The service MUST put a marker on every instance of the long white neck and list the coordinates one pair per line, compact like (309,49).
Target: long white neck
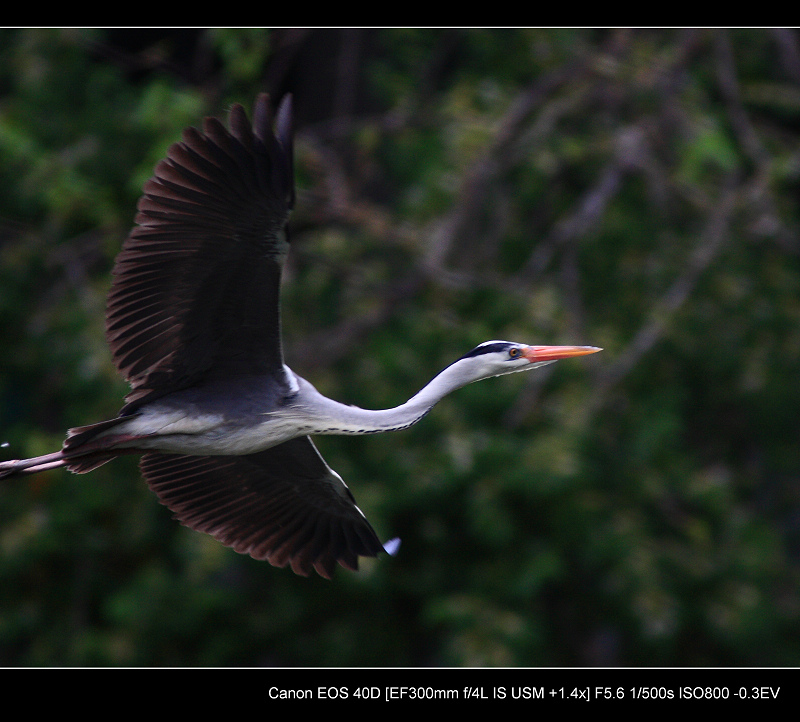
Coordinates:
(332,417)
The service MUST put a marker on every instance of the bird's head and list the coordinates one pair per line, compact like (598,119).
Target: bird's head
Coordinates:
(496,358)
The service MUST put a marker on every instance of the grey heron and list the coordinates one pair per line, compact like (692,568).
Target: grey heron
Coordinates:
(193,324)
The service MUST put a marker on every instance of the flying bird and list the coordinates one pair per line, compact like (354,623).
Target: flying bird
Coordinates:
(193,324)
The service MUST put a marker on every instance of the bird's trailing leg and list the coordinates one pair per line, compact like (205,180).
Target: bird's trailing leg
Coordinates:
(86,448)
(19,467)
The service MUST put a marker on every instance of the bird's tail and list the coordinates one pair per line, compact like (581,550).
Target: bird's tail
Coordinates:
(82,452)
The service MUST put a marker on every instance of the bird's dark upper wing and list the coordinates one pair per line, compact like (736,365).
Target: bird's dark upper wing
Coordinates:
(284,505)
(196,286)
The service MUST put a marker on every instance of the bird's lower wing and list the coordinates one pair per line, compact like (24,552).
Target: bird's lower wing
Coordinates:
(283,505)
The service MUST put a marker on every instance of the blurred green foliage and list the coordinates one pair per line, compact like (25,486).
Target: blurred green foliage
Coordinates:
(631,189)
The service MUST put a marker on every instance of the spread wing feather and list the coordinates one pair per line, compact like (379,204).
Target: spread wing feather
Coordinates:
(283,505)
(196,286)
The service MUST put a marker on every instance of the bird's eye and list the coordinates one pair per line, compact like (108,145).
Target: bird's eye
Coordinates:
(513,352)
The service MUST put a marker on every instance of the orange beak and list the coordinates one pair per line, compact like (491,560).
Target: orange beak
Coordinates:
(536,354)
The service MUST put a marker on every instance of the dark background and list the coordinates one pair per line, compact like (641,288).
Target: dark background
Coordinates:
(630,189)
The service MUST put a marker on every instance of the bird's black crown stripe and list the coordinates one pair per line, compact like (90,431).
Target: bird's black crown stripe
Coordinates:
(491,347)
